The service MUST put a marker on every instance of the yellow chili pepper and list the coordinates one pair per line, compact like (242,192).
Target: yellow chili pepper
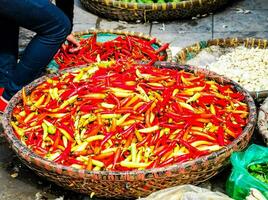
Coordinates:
(133,152)
(18,130)
(149,129)
(194,98)
(29,117)
(134,164)
(122,119)
(187,106)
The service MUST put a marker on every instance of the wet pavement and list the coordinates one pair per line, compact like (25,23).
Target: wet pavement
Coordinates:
(247,18)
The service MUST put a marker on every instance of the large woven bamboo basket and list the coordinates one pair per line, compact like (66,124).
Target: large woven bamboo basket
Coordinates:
(104,35)
(119,10)
(132,184)
(191,51)
(263,121)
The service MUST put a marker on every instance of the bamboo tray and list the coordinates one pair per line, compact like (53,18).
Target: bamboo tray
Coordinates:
(131,184)
(191,51)
(119,10)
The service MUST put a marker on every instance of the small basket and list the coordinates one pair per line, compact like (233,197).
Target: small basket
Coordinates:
(104,35)
(132,12)
(191,51)
(132,184)
(263,121)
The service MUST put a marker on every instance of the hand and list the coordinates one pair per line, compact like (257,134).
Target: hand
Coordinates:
(74,44)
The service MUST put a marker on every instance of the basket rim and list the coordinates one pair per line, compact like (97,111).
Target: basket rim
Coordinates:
(225,42)
(25,153)
(130,33)
(153,6)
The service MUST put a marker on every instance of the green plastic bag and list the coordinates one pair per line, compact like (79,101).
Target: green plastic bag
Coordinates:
(240,181)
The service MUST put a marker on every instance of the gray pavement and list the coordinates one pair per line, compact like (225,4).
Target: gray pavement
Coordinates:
(245,18)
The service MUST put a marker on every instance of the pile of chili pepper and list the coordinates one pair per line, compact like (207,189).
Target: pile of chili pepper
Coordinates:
(121,116)
(124,47)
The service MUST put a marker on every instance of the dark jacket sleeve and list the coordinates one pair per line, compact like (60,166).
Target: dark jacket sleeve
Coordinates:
(67,6)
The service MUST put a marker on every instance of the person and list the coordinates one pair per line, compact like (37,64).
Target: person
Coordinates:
(52,25)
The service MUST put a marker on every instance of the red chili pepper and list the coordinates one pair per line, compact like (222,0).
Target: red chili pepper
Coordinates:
(154,164)
(64,155)
(195,151)
(68,133)
(115,99)
(144,107)
(116,157)
(238,96)
(71,161)
(152,41)
(88,108)
(154,139)
(107,137)
(166,162)
(220,136)
(238,119)
(56,142)
(207,99)
(146,139)
(221,102)
(30,139)
(171,126)
(129,43)
(39,150)
(162,48)
(129,130)
(165,150)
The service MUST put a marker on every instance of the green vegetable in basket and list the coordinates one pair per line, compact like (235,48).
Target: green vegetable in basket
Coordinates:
(161,1)
(259,171)
(248,172)
(148,1)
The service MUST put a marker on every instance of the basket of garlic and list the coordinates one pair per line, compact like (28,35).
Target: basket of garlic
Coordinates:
(243,60)
(263,121)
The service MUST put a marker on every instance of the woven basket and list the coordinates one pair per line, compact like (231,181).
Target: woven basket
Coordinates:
(191,51)
(132,183)
(263,121)
(119,10)
(104,35)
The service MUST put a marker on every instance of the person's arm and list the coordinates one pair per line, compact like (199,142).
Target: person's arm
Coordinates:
(75,44)
(67,6)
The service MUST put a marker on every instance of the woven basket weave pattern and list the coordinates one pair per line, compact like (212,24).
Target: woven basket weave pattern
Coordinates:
(118,10)
(133,183)
(182,56)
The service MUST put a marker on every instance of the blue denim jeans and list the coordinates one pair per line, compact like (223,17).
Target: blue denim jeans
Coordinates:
(51,26)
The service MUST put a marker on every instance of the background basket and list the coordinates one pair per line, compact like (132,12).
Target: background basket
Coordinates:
(119,10)
(191,51)
(133,183)
(263,121)
(104,35)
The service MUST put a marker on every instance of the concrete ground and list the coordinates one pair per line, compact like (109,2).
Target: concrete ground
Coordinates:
(244,18)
